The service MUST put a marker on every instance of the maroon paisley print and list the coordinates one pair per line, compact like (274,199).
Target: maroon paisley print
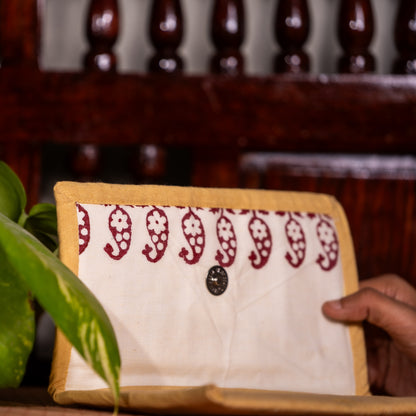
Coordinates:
(297,241)
(84,228)
(224,241)
(158,228)
(194,233)
(228,242)
(119,223)
(260,233)
(327,236)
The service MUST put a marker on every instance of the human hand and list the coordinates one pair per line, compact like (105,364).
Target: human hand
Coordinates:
(388,304)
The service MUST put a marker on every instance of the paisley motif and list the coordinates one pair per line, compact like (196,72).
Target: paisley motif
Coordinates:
(228,241)
(262,238)
(194,232)
(328,239)
(157,225)
(297,241)
(119,223)
(84,228)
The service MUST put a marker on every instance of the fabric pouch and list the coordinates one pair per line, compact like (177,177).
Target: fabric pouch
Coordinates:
(215,296)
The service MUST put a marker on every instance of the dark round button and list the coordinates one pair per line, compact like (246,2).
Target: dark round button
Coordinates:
(217,280)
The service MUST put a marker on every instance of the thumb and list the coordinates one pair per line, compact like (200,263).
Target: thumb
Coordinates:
(396,318)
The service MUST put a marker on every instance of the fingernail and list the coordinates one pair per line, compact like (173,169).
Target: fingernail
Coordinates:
(334,304)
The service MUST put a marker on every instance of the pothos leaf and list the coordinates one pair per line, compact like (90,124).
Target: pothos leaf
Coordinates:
(74,309)
(42,223)
(17,325)
(12,193)
(42,217)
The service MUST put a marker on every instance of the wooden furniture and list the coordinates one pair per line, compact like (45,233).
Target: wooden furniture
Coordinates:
(351,134)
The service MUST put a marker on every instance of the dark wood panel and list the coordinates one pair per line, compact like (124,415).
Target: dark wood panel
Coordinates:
(281,112)
(20,32)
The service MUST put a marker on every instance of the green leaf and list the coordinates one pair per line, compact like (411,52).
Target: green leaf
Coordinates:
(71,305)
(42,223)
(17,326)
(12,193)
(42,217)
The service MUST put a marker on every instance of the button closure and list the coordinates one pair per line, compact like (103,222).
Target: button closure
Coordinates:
(217,280)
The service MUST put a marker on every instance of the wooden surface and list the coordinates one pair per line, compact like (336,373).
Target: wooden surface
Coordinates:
(49,411)
(338,113)
(37,402)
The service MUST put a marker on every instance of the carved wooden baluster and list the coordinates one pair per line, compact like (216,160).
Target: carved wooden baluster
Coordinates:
(102,33)
(86,161)
(166,33)
(291,32)
(149,164)
(355,32)
(405,38)
(227,34)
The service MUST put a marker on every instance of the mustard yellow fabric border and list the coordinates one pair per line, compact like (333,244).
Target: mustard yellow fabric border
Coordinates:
(211,400)
(67,194)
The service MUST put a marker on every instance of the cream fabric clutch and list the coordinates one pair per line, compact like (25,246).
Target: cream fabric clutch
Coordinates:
(215,296)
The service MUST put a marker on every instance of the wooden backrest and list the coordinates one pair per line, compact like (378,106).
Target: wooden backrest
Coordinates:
(286,130)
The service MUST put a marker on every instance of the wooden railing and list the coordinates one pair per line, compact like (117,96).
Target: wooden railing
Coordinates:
(292,22)
(22,25)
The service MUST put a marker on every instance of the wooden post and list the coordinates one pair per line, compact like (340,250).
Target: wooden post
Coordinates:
(291,32)
(102,28)
(102,33)
(355,33)
(405,38)
(227,34)
(166,33)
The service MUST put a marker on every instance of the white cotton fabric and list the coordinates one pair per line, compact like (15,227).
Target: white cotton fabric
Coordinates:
(266,331)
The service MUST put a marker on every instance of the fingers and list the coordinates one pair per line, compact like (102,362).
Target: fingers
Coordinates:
(366,304)
(392,286)
(387,302)
(396,318)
